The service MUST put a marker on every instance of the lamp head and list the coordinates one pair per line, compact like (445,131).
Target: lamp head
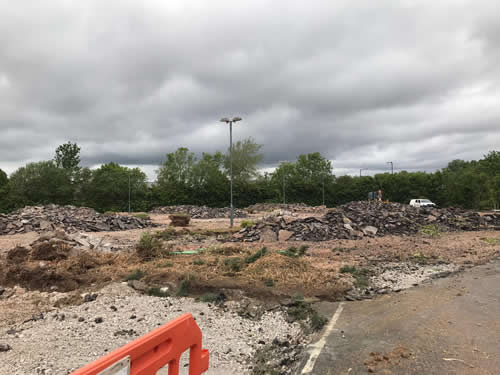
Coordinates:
(235,119)
(225,119)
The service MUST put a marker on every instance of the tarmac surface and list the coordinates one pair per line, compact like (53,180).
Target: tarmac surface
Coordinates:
(448,326)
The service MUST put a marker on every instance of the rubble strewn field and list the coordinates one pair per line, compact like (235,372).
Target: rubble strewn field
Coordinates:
(250,297)
(370,218)
(69,218)
(200,212)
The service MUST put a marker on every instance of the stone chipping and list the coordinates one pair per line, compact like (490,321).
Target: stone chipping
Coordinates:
(77,335)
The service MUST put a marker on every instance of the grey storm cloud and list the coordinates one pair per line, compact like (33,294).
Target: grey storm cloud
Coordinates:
(416,82)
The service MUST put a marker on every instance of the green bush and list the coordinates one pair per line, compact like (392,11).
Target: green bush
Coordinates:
(361,275)
(430,230)
(136,275)
(295,252)
(247,223)
(235,264)
(317,321)
(491,240)
(254,257)
(208,297)
(184,288)
(198,262)
(150,247)
(269,282)
(347,269)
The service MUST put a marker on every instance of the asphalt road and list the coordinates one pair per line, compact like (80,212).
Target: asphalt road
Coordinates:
(449,326)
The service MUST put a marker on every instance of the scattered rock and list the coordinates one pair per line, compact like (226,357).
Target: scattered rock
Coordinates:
(367,218)
(268,235)
(69,218)
(5,347)
(284,235)
(138,285)
(199,212)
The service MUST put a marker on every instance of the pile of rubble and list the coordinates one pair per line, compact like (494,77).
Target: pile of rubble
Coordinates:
(200,212)
(293,207)
(369,218)
(69,218)
(55,246)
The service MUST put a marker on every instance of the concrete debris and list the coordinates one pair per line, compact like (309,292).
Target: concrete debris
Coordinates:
(294,207)
(199,212)
(70,218)
(56,246)
(367,218)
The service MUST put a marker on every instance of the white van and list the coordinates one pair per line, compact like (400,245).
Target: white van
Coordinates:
(422,203)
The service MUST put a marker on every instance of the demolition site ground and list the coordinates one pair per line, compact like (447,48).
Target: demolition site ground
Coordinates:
(76,284)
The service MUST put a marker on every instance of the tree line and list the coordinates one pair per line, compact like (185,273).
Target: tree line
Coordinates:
(183,178)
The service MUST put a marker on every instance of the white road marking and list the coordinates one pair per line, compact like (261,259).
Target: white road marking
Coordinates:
(316,348)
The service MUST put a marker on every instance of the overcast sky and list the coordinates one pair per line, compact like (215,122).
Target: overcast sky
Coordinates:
(362,82)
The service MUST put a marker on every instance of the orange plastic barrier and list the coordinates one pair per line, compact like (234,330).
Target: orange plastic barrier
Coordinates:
(163,346)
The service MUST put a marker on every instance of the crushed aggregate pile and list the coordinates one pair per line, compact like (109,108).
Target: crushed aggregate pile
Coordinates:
(70,218)
(200,212)
(366,218)
(62,341)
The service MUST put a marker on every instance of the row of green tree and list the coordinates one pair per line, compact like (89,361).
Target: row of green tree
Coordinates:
(185,179)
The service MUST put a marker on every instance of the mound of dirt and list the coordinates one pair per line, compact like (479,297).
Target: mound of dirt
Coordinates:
(294,275)
(200,212)
(56,261)
(367,218)
(17,254)
(69,218)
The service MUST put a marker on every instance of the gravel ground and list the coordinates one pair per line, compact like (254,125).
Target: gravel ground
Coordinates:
(68,338)
(398,276)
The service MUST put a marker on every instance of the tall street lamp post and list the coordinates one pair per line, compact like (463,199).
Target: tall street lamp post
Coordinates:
(230,122)
(284,197)
(323,190)
(392,166)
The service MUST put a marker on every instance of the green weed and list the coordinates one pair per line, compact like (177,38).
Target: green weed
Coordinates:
(269,282)
(136,275)
(491,241)
(208,297)
(430,230)
(254,257)
(157,292)
(235,264)
(184,288)
(295,252)
(247,223)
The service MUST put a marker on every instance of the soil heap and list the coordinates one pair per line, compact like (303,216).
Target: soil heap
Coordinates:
(199,212)
(69,218)
(367,218)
